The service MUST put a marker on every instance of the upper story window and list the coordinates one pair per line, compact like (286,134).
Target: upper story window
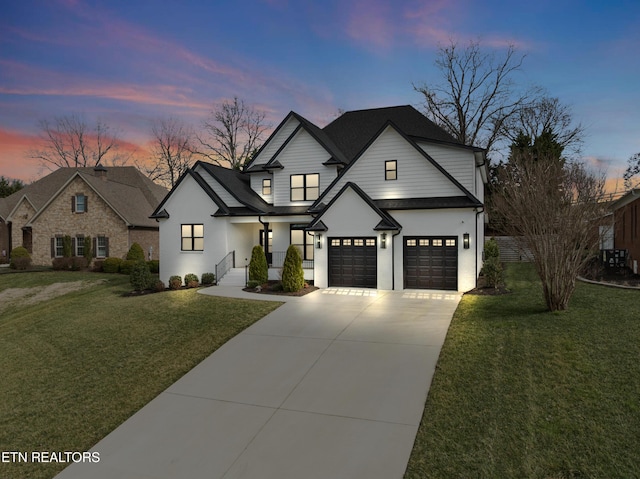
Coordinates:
(79,203)
(305,187)
(391,170)
(266,186)
(192,237)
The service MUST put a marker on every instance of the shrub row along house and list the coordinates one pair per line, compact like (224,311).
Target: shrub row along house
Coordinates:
(380,198)
(110,204)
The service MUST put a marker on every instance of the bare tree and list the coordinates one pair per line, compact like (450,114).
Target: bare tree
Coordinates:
(67,141)
(633,168)
(551,208)
(172,151)
(232,134)
(545,114)
(478,93)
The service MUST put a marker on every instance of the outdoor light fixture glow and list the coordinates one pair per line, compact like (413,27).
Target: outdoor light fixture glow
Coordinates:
(383,240)
(465,240)
(318,241)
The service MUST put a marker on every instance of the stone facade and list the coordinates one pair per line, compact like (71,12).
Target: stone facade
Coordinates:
(58,219)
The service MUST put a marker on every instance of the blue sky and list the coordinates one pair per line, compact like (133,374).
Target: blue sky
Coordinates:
(130,62)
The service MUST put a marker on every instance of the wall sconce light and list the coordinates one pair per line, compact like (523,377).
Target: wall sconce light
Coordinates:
(465,240)
(383,240)
(318,241)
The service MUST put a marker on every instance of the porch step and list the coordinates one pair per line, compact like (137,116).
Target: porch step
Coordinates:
(234,277)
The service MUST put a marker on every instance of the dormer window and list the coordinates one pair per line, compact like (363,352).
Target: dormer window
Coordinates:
(79,203)
(266,186)
(305,187)
(391,170)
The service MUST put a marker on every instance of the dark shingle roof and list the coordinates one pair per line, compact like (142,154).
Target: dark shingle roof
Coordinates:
(131,194)
(428,203)
(238,185)
(354,129)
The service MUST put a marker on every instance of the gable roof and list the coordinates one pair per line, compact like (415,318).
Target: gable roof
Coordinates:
(387,222)
(627,198)
(237,184)
(354,129)
(384,126)
(125,189)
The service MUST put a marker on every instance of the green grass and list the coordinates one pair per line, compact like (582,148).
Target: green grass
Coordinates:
(74,367)
(523,393)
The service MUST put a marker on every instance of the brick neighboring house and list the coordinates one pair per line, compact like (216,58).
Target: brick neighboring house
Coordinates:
(110,204)
(626,213)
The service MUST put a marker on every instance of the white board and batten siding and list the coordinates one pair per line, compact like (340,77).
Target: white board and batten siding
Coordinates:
(458,162)
(416,176)
(302,155)
(256,185)
(276,142)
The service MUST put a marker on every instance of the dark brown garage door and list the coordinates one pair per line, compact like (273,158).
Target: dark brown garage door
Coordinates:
(431,262)
(353,262)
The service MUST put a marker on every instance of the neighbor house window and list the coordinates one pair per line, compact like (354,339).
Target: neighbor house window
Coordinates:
(303,240)
(391,170)
(59,246)
(192,237)
(79,246)
(305,187)
(266,186)
(79,203)
(101,247)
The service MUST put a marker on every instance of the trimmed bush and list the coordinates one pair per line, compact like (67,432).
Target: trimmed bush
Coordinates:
(140,276)
(258,267)
(127,265)
(61,264)
(97,265)
(136,253)
(292,272)
(191,280)
(111,265)
(20,258)
(159,286)
(492,267)
(175,282)
(491,249)
(252,283)
(154,266)
(77,263)
(208,278)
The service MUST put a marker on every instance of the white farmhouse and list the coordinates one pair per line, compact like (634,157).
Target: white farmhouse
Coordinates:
(380,198)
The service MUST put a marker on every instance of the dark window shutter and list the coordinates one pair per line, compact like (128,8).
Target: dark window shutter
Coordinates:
(86,204)
(73,246)
(95,246)
(53,247)
(106,241)
(73,204)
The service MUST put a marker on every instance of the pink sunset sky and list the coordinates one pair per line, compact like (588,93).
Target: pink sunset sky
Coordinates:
(129,63)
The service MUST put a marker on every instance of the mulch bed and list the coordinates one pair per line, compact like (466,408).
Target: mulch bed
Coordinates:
(483,290)
(274,288)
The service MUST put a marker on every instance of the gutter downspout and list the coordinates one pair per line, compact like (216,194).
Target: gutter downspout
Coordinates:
(477,245)
(393,259)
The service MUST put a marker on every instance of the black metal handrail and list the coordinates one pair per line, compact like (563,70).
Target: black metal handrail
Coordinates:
(277,260)
(225,265)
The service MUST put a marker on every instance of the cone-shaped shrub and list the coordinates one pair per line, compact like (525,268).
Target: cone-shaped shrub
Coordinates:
(258,268)
(292,272)
(136,253)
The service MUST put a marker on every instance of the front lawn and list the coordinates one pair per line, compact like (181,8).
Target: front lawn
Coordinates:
(73,367)
(523,393)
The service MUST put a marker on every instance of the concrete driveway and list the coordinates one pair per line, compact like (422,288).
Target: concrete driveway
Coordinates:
(330,385)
